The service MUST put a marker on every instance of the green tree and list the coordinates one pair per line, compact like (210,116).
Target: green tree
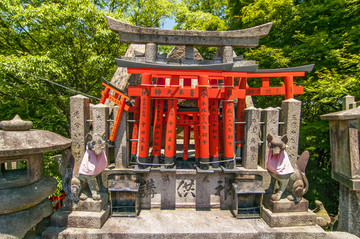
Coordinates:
(67,42)
(322,32)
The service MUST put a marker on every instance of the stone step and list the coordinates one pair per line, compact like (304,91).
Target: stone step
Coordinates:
(52,232)
(80,219)
(288,219)
(190,224)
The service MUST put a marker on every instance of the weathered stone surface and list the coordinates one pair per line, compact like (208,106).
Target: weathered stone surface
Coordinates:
(251,136)
(18,223)
(290,115)
(349,210)
(89,205)
(16,124)
(122,145)
(178,52)
(270,116)
(284,205)
(227,54)
(80,219)
(238,38)
(288,219)
(185,189)
(347,101)
(100,113)
(21,177)
(12,200)
(342,115)
(192,224)
(79,126)
(16,143)
(150,52)
(121,79)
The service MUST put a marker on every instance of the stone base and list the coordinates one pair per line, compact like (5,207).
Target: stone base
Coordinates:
(12,200)
(17,224)
(288,219)
(80,219)
(89,205)
(285,205)
(190,224)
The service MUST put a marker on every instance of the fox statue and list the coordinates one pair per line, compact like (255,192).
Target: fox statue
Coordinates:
(291,178)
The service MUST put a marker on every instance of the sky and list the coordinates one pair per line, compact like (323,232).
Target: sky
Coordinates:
(169,23)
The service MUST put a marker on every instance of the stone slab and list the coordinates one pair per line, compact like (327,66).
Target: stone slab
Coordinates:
(284,205)
(189,223)
(89,204)
(80,219)
(18,223)
(288,219)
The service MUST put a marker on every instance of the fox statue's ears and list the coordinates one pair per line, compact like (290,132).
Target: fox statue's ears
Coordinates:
(284,138)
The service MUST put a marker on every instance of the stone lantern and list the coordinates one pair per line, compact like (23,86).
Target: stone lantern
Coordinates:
(23,189)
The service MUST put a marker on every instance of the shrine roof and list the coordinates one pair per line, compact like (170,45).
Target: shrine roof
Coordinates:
(352,114)
(224,67)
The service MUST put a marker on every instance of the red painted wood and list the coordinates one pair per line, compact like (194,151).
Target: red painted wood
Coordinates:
(186,137)
(144,119)
(158,127)
(135,131)
(170,133)
(289,87)
(196,136)
(204,118)
(229,120)
(214,130)
(117,119)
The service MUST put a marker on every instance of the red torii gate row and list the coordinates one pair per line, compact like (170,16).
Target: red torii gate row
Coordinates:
(208,93)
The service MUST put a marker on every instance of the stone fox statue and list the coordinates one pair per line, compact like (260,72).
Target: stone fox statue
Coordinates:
(92,164)
(289,177)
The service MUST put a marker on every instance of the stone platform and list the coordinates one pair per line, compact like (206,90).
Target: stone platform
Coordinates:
(190,223)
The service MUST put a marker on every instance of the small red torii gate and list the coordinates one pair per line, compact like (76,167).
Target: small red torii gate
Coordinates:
(205,121)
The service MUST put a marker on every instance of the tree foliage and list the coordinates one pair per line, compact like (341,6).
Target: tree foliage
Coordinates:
(322,32)
(64,41)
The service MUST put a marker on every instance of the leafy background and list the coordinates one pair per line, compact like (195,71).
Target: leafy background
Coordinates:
(69,42)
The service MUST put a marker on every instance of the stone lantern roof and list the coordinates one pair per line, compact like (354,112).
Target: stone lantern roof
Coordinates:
(17,138)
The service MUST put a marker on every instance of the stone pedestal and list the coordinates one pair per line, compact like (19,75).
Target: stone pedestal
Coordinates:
(288,219)
(286,213)
(284,205)
(84,214)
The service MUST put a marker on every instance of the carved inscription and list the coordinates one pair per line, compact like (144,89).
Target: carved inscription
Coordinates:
(186,188)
